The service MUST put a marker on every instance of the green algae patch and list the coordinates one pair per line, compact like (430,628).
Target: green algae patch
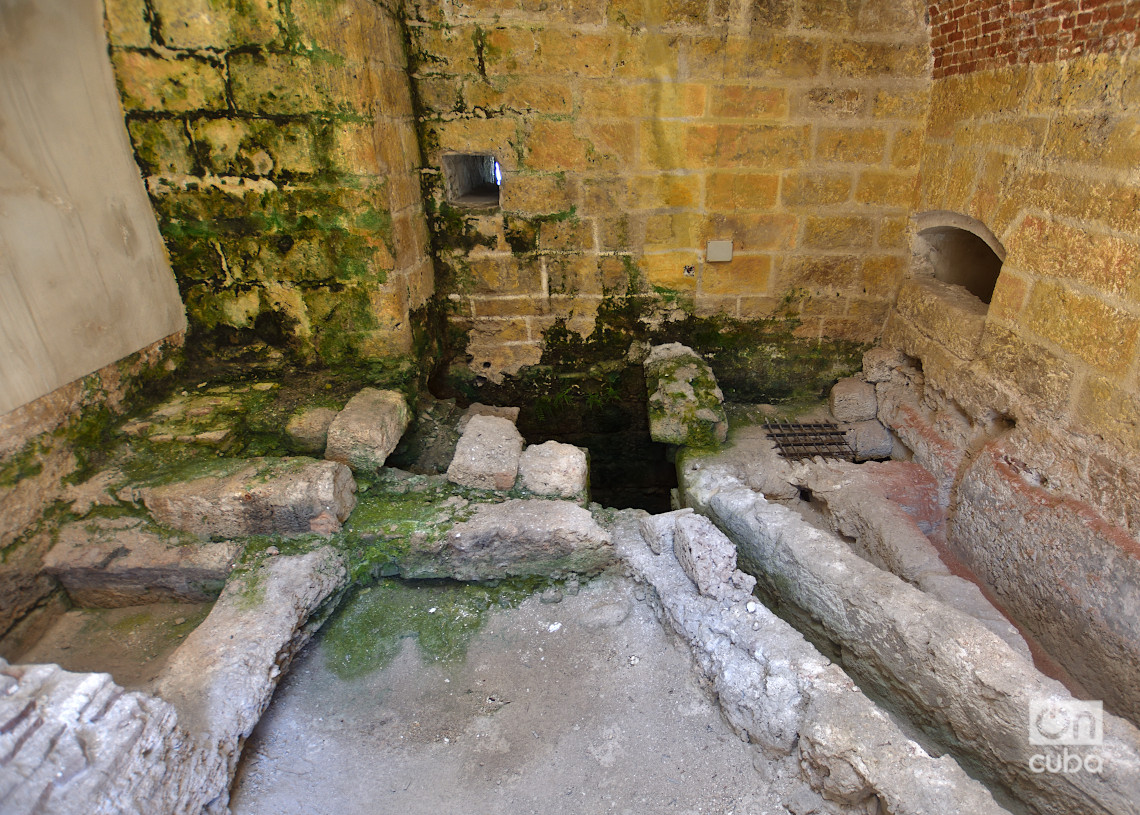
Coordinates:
(366,633)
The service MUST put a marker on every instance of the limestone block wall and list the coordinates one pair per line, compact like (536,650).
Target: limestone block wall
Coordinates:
(1029,410)
(632,132)
(278,148)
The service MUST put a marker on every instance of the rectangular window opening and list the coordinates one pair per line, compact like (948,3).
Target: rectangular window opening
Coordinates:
(473,180)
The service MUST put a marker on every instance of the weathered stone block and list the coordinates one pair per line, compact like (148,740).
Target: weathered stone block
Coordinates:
(657,530)
(880,363)
(1100,334)
(290,496)
(366,432)
(862,145)
(838,232)
(685,404)
(511,414)
(708,557)
(171,86)
(556,470)
(816,188)
(216,24)
(127,24)
(515,538)
(852,400)
(487,455)
(948,314)
(869,439)
(887,188)
(309,429)
(112,562)
(162,146)
(740,191)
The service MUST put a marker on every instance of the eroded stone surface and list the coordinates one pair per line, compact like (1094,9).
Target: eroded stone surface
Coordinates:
(112,562)
(852,400)
(366,432)
(78,743)
(290,496)
(869,439)
(708,557)
(487,455)
(517,537)
(554,469)
(686,407)
(309,429)
(657,530)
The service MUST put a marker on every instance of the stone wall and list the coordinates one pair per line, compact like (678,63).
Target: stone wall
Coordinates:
(630,133)
(279,152)
(1036,395)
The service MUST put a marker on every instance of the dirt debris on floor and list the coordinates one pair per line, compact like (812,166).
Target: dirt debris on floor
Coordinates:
(581,706)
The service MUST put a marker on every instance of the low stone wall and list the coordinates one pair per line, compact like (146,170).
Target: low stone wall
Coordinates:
(780,693)
(951,676)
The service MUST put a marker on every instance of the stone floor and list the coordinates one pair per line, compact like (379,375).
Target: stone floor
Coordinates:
(584,706)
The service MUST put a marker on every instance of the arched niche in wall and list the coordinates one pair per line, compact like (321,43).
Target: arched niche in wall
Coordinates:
(959,250)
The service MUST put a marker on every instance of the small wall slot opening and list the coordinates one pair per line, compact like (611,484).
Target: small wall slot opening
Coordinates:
(960,251)
(472,180)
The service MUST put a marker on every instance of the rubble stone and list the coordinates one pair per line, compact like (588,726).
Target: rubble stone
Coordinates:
(112,562)
(879,363)
(515,538)
(555,469)
(366,432)
(309,429)
(869,439)
(479,409)
(852,400)
(290,496)
(657,530)
(487,455)
(708,557)
(686,407)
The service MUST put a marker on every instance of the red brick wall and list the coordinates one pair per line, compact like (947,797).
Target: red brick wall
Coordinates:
(973,35)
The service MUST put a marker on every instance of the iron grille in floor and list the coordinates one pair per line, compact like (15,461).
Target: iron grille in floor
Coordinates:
(800,440)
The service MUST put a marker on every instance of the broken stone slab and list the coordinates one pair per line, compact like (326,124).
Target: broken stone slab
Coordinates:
(945,671)
(511,414)
(708,557)
(368,429)
(289,496)
(78,744)
(869,439)
(487,455)
(518,537)
(309,429)
(555,470)
(686,407)
(114,562)
(852,400)
(657,530)
(778,692)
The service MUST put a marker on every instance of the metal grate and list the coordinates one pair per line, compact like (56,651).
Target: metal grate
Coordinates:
(798,441)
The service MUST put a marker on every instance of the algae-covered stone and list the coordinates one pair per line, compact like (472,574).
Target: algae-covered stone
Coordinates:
(290,496)
(309,429)
(685,404)
(518,538)
(366,432)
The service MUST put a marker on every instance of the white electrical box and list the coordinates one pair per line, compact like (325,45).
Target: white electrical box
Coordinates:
(718,251)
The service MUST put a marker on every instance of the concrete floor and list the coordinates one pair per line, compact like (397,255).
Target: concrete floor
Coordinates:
(584,706)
